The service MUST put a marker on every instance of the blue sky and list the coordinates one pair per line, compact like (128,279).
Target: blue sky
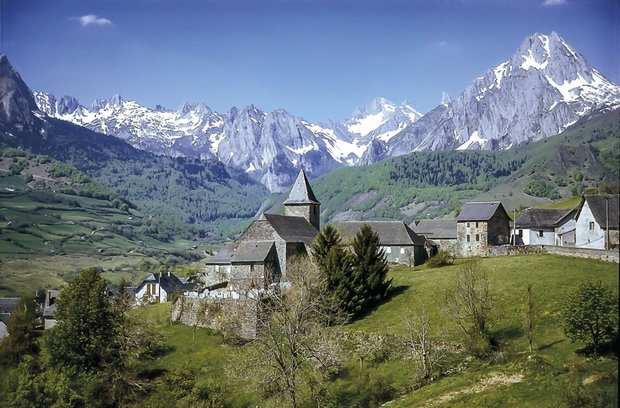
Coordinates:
(318,59)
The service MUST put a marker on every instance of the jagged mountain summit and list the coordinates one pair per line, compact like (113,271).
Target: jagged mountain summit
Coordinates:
(540,91)
(270,146)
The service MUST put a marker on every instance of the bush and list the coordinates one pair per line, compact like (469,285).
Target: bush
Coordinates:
(578,396)
(590,314)
(442,258)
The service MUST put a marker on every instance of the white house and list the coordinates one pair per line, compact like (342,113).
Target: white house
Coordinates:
(597,222)
(157,287)
(545,226)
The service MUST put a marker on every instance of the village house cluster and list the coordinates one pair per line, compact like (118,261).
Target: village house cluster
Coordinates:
(256,262)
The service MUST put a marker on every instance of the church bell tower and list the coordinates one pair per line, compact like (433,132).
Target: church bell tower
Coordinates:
(301,201)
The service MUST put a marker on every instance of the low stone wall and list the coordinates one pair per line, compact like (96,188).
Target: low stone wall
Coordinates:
(599,254)
(239,316)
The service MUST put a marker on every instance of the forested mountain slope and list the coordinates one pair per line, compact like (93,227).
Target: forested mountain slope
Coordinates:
(433,184)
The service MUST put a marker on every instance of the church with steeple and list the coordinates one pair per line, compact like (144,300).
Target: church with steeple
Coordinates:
(259,257)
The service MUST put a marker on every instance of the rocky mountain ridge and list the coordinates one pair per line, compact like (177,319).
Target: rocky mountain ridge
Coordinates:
(540,91)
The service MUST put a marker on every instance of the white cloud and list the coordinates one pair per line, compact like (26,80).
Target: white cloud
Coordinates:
(91,19)
(554,2)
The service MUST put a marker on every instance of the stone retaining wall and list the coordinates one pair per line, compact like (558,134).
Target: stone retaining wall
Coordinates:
(237,315)
(609,256)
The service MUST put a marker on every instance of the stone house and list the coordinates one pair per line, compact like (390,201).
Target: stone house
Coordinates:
(258,258)
(480,225)
(400,243)
(545,226)
(441,232)
(597,223)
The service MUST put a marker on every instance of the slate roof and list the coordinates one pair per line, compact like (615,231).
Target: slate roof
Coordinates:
(169,282)
(542,217)
(301,192)
(435,229)
(8,304)
(598,206)
(292,229)
(252,251)
(224,256)
(479,211)
(390,232)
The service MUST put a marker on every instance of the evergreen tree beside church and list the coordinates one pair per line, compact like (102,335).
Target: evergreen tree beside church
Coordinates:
(357,277)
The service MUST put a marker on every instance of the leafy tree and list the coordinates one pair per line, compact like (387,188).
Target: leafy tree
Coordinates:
(293,351)
(22,336)
(82,336)
(590,314)
(370,267)
(469,303)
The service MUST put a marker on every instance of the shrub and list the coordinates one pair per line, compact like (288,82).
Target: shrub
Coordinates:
(590,314)
(442,258)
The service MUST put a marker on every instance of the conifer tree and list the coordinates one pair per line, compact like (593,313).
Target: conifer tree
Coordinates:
(370,268)
(334,262)
(323,243)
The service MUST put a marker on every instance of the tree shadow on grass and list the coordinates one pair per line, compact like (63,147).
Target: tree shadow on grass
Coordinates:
(548,345)
(508,333)
(392,293)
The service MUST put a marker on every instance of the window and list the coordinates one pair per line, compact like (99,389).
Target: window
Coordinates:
(388,250)
(521,233)
(468,238)
(477,237)
(467,225)
(402,251)
(541,233)
(591,225)
(476,224)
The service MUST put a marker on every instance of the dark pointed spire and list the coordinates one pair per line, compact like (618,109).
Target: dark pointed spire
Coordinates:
(301,192)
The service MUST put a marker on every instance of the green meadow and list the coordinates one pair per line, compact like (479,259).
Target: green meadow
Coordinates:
(512,377)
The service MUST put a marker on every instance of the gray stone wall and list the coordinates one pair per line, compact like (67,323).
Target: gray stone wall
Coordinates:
(238,315)
(498,229)
(311,212)
(609,256)
(476,244)
(448,245)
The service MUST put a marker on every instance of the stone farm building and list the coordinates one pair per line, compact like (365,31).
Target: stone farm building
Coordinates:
(400,243)
(441,232)
(480,225)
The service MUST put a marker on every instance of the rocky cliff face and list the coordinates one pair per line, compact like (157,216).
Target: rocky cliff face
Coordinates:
(540,91)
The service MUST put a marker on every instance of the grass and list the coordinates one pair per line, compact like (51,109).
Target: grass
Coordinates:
(543,376)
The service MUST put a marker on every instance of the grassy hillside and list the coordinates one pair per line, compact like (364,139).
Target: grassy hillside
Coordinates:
(55,221)
(513,377)
(434,184)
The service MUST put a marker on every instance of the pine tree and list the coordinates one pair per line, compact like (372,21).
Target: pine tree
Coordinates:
(335,264)
(370,268)
(323,243)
